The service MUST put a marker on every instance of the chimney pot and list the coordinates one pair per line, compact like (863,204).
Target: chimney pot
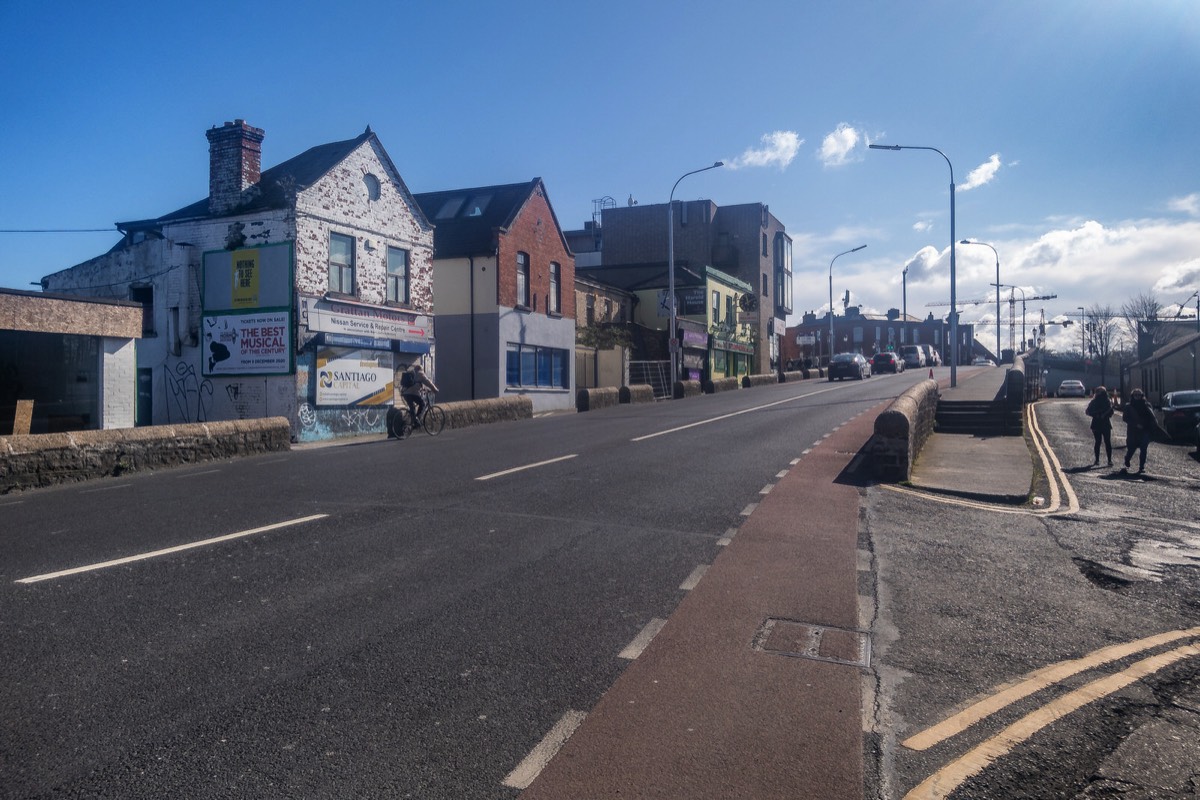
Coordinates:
(234,163)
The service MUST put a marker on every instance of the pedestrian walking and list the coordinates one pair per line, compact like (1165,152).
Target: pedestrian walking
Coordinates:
(1140,428)
(1100,409)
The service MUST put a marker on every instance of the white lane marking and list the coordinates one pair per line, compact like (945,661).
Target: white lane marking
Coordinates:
(796,461)
(728,537)
(169,550)
(643,639)
(532,765)
(194,474)
(728,416)
(12,503)
(781,474)
(766,489)
(748,510)
(106,488)
(693,580)
(525,467)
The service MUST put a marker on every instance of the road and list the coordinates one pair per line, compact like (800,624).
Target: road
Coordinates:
(1040,655)
(386,619)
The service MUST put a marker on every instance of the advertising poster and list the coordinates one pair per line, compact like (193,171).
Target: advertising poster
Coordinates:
(247,344)
(354,377)
(245,279)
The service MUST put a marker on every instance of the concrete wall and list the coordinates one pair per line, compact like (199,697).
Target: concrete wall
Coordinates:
(902,430)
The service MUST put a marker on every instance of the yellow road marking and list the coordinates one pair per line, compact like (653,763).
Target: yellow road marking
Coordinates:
(1034,682)
(950,777)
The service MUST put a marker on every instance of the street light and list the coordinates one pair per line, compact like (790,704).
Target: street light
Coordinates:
(673,334)
(953,290)
(835,258)
(904,306)
(1082,338)
(999,356)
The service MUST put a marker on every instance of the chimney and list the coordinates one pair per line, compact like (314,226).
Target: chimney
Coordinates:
(234,163)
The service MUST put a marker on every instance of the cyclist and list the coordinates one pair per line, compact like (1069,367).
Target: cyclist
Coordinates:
(412,388)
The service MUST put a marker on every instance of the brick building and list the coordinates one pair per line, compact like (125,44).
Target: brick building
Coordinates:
(297,291)
(504,279)
(856,332)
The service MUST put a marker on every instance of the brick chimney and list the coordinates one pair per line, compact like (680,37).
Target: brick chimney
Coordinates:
(234,163)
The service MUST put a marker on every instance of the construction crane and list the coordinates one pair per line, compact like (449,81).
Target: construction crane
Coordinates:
(1012,311)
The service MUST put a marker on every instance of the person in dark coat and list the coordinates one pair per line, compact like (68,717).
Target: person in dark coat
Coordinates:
(1100,409)
(1140,428)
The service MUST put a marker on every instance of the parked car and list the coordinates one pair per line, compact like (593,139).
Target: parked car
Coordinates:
(980,361)
(886,362)
(849,365)
(913,356)
(1071,388)
(1181,414)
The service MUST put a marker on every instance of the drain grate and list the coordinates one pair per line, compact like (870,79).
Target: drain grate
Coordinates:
(785,637)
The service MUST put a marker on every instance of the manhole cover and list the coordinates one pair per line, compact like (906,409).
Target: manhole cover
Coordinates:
(784,637)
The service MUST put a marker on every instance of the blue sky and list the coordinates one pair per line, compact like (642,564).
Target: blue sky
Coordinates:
(1071,126)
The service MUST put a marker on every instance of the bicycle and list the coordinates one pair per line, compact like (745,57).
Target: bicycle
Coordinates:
(432,419)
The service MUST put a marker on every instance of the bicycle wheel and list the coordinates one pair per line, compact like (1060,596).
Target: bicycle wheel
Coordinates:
(434,420)
(401,423)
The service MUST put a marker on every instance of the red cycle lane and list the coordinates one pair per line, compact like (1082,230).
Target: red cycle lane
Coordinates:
(753,688)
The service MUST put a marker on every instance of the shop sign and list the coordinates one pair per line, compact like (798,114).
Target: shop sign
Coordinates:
(375,322)
(698,339)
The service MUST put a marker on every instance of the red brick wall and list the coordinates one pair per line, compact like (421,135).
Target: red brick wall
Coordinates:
(535,232)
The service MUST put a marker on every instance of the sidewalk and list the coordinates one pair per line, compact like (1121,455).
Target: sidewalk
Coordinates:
(997,469)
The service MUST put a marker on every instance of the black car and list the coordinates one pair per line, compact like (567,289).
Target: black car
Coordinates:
(849,365)
(887,362)
(1181,414)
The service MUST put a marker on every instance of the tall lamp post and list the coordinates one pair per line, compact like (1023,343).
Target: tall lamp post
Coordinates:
(999,355)
(953,289)
(835,258)
(672,333)
(1082,337)
(904,306)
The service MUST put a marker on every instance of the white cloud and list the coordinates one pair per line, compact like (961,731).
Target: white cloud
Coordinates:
(838,146)
(982,174)
(920,226)
(1189,204)
(779,149)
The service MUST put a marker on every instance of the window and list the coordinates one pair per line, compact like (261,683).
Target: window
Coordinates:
(341,263)
(766,284)
(372,184)
(397,275)
(531,367)
(716,306)
(729,317)
(145,296)
(555,299)
(523,279)
(608,310)
(478,205)
(764,244)
(591,309)
(450,207)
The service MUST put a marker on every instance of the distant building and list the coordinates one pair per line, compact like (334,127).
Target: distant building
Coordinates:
(1171,367)
(856,332)
(295,292)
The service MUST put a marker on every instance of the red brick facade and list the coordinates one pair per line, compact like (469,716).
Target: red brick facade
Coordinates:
(535,232)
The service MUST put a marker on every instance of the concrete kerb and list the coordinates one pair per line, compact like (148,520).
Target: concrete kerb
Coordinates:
(608,396)
(901,430)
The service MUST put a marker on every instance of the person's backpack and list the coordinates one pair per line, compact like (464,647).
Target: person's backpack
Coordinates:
(407,379)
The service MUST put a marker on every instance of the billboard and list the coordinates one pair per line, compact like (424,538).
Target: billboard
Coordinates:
(246,344)
(354,377)
(254,277)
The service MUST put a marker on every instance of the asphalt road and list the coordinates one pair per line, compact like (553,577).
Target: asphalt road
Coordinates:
(1038,630)
(385,619)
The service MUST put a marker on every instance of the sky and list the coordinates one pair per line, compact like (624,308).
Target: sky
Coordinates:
(1070,128)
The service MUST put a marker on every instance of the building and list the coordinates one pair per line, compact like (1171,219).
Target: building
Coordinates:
(71,362)
(743,242)
(1168,369)
(856,332)
(504,279)
(295,292)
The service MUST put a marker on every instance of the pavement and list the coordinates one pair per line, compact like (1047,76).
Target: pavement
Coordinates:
(997,469)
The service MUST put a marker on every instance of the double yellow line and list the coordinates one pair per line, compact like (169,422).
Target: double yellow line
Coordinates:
(949,777)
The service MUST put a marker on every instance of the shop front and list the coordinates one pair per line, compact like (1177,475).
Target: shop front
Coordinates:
(730,357)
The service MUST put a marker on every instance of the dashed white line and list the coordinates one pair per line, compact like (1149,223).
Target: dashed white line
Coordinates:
(532,765)
(693,580)
(766,489)
(643,639)
(748,510)
(525,467)
(168,550)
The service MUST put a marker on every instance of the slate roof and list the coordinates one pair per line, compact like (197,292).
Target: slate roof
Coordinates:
(277,185)
(467,222)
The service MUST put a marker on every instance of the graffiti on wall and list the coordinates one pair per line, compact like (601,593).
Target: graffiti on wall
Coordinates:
(189,398)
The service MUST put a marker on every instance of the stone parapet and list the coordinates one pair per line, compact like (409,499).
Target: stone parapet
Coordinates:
(46,459)
(761,379)
(466,413)
(597,397)
(638,393)
(721,385)
(682,389)
(901,430)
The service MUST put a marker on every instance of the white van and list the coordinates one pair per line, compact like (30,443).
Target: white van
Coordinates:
(913,355)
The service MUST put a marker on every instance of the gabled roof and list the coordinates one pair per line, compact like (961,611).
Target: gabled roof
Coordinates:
(467,222)
(278,185)
(1170,348)
(636,277)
